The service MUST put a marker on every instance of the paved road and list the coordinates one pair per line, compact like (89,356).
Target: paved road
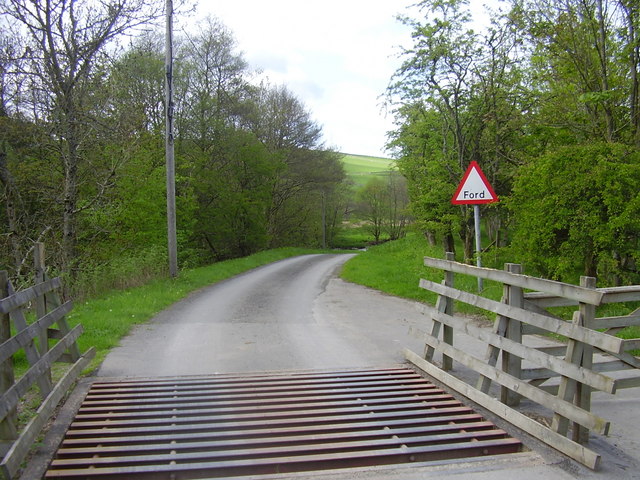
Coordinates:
(296,314)
(293,314)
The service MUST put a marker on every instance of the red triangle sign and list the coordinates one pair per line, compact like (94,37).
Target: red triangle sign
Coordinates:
(474,188)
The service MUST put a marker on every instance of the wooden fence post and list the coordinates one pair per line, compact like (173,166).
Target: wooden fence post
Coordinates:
(512,364)
(568,387)
(41,300)
(447,334)
(499,328)
(8,430)
(583,393)
(51,301)
(443,305)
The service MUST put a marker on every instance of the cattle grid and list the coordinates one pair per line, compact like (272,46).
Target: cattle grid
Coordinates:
(252,424)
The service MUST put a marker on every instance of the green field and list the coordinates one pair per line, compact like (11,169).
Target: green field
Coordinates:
(360,168)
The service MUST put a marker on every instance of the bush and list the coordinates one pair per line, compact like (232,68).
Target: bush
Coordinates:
(577,210)
(128,270)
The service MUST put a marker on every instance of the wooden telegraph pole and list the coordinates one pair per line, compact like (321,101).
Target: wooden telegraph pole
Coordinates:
(172,243)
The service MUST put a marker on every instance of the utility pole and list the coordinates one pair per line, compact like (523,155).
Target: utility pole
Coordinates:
(172,243)
(324,220)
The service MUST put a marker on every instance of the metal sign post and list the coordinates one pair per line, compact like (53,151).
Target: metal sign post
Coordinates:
(475,189)
(476,224)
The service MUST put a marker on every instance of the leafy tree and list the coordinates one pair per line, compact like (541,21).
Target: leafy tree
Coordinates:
(66,43)
(430,180)
(584,67)
(456,97)
(373,206)
(630,11)
(135,89)
(382,204)
(576,210)
(336,201)
(213,88)
(233,197)
(306,169)
(397,208)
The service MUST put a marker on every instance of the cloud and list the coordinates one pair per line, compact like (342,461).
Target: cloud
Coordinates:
(337,56)
(268,61)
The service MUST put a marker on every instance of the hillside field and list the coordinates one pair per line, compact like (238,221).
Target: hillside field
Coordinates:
(361,168)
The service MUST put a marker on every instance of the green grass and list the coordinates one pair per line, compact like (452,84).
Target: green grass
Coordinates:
(360,168)
(352,236)
(363,164)
(397,267)
(110,317)
(392,267)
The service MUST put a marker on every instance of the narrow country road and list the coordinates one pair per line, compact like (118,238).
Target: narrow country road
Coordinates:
(293,314)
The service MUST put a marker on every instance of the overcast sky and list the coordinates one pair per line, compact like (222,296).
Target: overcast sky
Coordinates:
(336,56)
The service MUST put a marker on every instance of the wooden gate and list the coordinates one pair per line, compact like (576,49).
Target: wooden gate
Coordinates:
(42,345)
(577,366)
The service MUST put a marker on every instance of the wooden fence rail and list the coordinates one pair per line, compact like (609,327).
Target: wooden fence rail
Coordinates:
(521,313)
(43,345)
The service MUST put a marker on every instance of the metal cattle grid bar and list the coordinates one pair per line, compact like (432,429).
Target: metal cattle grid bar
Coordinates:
(235,425)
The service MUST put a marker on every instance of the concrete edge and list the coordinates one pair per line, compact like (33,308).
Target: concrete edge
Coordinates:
(38,464)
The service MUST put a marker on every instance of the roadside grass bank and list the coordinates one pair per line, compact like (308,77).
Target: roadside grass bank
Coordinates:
(396,268)
(353,236)
(109,317)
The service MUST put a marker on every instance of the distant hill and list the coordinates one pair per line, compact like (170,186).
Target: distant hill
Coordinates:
(361,168)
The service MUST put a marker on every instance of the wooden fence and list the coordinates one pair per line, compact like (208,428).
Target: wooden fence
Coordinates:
(42,345)
(563,376)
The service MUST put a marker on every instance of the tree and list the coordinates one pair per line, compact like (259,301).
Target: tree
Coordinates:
(382,203)
(576,210)
(306,169)
(397,216)
(631,50)
(418,145)
(456,100)
(233,195)
(373,206)
(67,41)
(134,89)
(582,56)
(213,90)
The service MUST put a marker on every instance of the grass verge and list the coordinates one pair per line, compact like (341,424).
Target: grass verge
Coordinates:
(397,267)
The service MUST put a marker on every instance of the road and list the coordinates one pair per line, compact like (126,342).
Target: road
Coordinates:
(297,314)
(293,314)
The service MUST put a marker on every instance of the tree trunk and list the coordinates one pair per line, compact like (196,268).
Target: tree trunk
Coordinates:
(449,243)
(69,221)
(11,198)
(431,237)
(468,239)
(604,71)
(631,12)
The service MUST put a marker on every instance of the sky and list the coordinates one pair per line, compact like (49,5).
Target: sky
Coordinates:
(336,56)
